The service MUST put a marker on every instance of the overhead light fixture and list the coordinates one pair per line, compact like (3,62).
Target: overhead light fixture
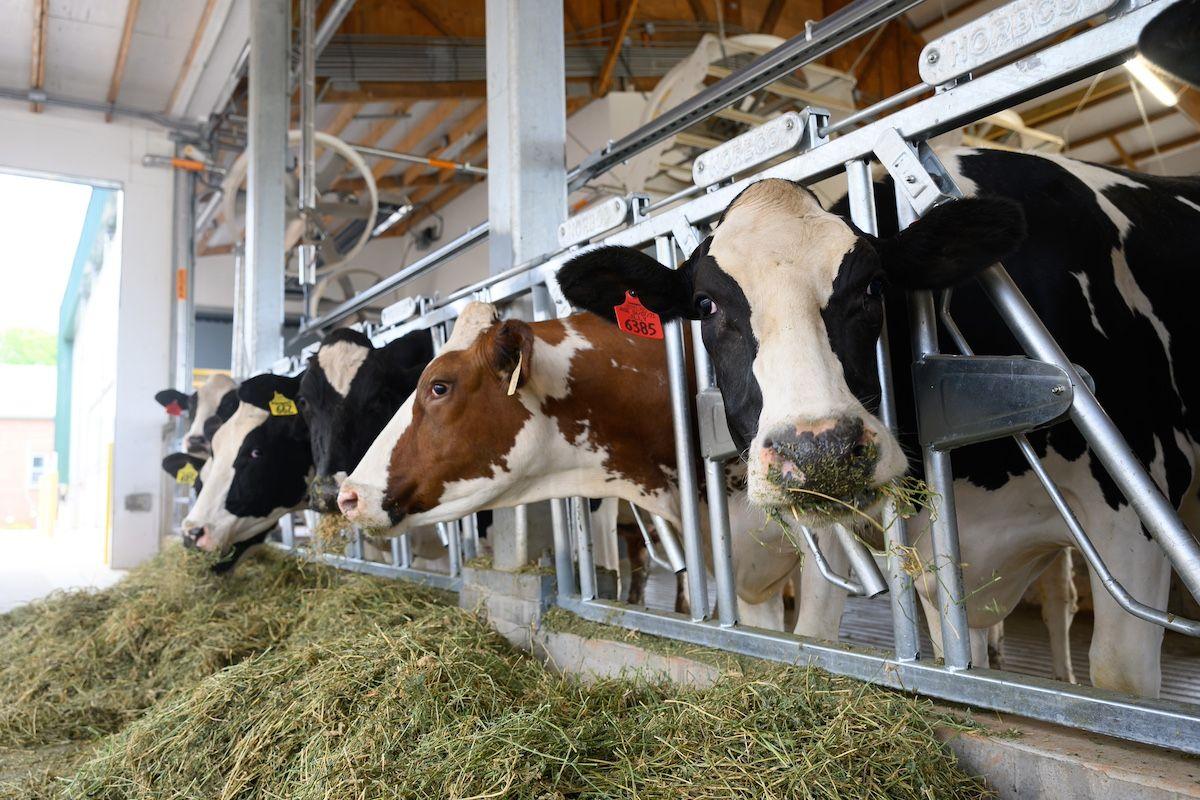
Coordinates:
(1139,68)
(400,213)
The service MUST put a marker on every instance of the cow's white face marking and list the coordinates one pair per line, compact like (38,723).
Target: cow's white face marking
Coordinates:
(208,399)
(785,251)
(222,528)
(340,362)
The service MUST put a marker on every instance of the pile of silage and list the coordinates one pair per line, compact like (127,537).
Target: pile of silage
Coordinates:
(383,692)
(82,664)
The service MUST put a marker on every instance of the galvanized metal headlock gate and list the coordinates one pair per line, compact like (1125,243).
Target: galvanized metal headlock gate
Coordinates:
(897,141)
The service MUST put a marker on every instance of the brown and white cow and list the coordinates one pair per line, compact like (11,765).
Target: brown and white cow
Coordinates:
(513,412)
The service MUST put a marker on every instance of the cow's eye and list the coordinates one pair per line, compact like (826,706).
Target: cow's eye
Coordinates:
(255,453)
(439,389)
(705,305)
(875,288)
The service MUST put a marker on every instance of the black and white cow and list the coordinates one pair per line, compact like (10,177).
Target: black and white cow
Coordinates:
(207,408)
(790,300)
(349,392)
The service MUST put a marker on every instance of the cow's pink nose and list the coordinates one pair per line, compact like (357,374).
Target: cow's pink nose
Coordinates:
(348,500)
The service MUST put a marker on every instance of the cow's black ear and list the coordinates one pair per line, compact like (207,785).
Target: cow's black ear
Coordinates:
(168,396)
(410,350)
(597,281)
(953,242)
(261,390)
(173,463)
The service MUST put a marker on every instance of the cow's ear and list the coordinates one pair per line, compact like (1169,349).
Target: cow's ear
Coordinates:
(411,349)
(175,462)
(511,354)
(953,243)
(597,281)
(168,396)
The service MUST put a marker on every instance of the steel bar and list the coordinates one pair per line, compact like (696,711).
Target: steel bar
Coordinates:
(287,531)
(718,502)
(207,211)
(825,568)
(183,246)
(582,523)
(394,155)
(405,549)
(394,281)
(1157,722)
(872,111)
(307,255)
(822,37)
(189,130)
(470,537)
(666,535)
(1105,440)
(356,544)
(437,580)
(564,565)
(685,456)
(902,595)
(947,561)
(651,550)
(671,198)
(453,547)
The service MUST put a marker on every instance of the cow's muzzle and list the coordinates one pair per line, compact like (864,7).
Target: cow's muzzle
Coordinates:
(197,445)
(323,495)
(191,538)
(820,463)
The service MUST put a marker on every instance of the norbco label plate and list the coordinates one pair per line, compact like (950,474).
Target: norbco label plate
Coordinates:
(752,148)
(1000,32)
(596,220)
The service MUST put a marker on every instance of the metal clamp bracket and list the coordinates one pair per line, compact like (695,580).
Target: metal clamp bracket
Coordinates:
(918,173)
(716,443)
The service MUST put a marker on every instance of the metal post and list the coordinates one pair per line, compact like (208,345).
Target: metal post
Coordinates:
(718,503)
(582,520)
(453,546)
(239,363)
(685,456)
(564,566)
(182,244)
(267,148)
(947,562)
(307,257)
(903,596)
(470,537)
(402,551)
(527,131)
(1102,435)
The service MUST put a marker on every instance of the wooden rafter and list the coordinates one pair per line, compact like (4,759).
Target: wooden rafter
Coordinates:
(430,16)
(964,8)
(114,85)
(571,17)
(1188,104)
(406,90)
(345,115)
(1126,159)
(698,10)
(37,65)
(1124,127)
(419,131)
(771,17)
(201,26)
(1167,148)
(1065,106)
(604,82)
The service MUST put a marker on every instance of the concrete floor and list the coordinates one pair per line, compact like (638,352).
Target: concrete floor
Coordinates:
(32,565)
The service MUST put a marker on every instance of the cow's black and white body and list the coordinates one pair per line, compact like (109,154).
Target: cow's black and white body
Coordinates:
(790,300)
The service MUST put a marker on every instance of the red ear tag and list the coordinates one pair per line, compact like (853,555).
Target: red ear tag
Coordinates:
(635,318)
(174,409)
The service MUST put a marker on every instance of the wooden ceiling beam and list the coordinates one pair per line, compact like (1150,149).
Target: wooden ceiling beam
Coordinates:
(37,64)
(431,17)
(1166,149)
(771,17)
(201,26)
(1188,104)
(950,15)
(345,115)
(1124,127)
(1065,106)
(118,74)
(604,82)
(698,10)
(406,90)
(1126,159)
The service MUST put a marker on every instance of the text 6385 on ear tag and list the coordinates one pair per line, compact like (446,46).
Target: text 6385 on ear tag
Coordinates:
(635,318)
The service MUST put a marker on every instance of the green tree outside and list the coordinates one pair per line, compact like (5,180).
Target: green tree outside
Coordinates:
(27,346)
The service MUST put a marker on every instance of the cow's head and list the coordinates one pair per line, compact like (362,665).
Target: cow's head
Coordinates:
(206,408)
(349,392)
(790,301)
(259,467)
(512,413)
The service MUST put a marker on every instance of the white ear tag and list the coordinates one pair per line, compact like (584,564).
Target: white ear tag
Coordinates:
(516,376)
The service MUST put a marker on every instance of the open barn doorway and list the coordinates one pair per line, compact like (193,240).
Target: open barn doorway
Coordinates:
(58,326)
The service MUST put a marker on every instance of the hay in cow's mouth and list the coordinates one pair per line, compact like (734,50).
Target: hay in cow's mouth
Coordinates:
(384,689)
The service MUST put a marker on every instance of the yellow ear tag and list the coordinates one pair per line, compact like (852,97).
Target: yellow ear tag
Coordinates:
(516,376)
(187,475)
(282,406)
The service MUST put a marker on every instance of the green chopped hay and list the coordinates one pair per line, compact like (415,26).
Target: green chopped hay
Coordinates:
(383,689)
(332,534)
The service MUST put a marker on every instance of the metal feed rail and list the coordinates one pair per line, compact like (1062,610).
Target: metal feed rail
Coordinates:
(1168,724)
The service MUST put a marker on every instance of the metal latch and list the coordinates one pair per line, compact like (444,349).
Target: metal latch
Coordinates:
(716,443)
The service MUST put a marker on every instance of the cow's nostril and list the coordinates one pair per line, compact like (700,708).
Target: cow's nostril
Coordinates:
(191,537)
(347,500)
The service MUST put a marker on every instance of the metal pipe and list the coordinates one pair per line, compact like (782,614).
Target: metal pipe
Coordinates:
(184,251)
(872,111)
(453,547)
(1105,440)
(307,254)
(329,25)
(819,39)
(670,543)
(395,155)
(651,550)
(823,567)
(239,364)
(394,281)
(405,550)
(207,211)
(902,596)
(582,521)
(685,457)
(671,198)
(395,545)
(862,562)
(564,565)
(287,532)
(356,544)
(947,561)
(188,129)
(718,502)
(470,540)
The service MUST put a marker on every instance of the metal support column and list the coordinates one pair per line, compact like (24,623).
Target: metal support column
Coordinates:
(267,148)
(307,256)
(903,595)
(527,130)
(183,247)
(581,519)
(239,361)
(947,562)
(685,454)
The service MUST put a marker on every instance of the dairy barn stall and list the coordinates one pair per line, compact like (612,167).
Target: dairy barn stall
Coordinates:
(632,398)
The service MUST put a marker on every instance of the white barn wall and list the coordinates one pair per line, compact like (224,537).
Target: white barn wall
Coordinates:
(84,147)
